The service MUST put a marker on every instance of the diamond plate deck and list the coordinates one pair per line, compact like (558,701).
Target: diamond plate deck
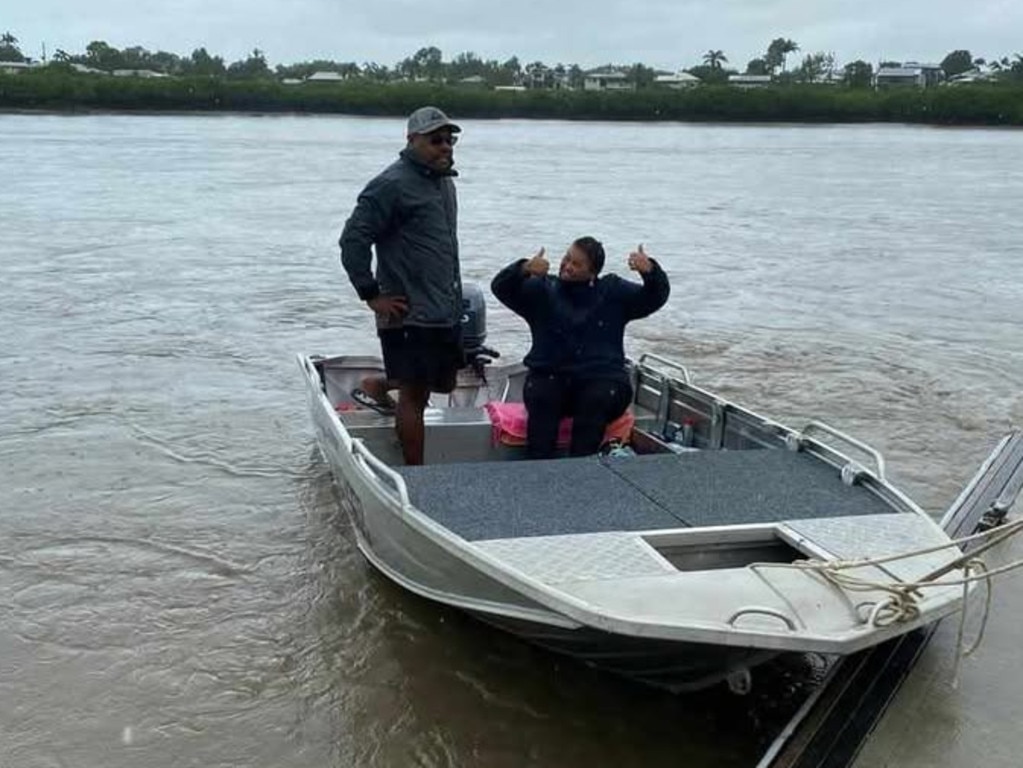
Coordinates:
(554,559)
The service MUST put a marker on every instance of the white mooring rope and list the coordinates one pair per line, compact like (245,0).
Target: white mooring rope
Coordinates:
(902,601)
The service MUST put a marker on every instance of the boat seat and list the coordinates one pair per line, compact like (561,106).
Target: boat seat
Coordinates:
(510,422)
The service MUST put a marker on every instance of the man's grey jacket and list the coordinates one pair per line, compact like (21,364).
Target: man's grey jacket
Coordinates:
(410,213)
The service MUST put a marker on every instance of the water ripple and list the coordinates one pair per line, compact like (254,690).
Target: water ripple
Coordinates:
(176,562)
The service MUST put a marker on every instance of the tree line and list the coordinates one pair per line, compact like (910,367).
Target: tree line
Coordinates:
(203,82)
(428,64)
(47,88)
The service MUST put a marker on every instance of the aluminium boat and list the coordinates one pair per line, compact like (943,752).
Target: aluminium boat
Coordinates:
(715,540)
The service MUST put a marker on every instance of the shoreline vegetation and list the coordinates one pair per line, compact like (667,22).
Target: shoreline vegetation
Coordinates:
(961,90)
(50,89)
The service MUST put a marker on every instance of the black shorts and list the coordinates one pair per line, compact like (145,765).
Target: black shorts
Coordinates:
(427,356)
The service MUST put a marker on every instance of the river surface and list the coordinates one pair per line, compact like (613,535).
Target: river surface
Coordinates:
(178,583)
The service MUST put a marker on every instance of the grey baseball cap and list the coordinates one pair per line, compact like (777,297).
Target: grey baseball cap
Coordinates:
(428,120)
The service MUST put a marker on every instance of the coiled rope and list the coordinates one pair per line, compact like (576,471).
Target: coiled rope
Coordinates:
(902,603)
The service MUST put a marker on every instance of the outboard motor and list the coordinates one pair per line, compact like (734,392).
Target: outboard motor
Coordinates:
(474,329)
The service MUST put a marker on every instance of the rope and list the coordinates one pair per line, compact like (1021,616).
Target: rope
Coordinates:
(902,601)
(1002,532)
(832,569)
(961,653)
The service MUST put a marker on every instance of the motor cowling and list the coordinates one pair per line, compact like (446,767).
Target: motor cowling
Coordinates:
(474,327)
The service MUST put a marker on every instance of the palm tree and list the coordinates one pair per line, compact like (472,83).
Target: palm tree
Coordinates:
(788,47)
(714,59)
(777,51)
(9,48)
(349,70)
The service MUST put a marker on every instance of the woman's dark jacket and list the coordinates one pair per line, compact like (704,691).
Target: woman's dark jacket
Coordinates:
(578,328)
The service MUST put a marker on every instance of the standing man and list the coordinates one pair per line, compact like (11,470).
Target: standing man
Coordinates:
(409,214)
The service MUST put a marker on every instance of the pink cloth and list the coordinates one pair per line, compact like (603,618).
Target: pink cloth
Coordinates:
(509,423)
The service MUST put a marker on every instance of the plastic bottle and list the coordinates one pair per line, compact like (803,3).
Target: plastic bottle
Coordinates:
(683,438)
(687,433)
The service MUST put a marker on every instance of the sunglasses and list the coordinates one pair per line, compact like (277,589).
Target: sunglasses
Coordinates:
(436,139)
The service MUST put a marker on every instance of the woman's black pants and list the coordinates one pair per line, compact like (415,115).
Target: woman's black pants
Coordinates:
(592,404)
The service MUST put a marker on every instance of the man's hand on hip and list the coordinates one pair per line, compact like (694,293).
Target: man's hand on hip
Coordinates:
(388,306)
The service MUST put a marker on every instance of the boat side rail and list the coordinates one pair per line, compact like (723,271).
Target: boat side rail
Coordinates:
(795,441)
(666,388)
(308,365)
(377,469)
(667,363)
(719,407)
(852,472)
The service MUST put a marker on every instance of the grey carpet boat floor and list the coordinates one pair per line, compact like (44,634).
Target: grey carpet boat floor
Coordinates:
(513,499)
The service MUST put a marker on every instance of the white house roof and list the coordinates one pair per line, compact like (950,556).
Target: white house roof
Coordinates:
(137,73)
(829,77)
(677,77)
(325,77)
(908,69)
(974,75)
(84,70)
(899,71)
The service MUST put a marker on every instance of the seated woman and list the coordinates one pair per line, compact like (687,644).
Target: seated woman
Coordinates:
(577,320)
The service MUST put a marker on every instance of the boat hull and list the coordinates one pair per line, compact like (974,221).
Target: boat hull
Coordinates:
(675,666)
(422,566)
(477,572)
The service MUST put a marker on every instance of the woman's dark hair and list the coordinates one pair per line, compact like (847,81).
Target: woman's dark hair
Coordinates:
(594,251)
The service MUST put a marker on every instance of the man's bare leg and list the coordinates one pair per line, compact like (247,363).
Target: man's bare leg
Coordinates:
(412,400)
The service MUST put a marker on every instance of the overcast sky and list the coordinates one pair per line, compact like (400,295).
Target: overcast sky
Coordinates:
(666,34)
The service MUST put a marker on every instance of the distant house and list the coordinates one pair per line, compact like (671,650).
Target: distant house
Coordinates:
(677,80)
(830,78)
(325,77)
(473,81)
(607,81)
(146,74)
(14,67)
(749,81)
(84,70)
(563,79)
(975,75)
(908,75)
(537,76)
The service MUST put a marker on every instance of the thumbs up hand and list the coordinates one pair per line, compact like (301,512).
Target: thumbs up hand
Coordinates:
(538,266)
(639,261)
